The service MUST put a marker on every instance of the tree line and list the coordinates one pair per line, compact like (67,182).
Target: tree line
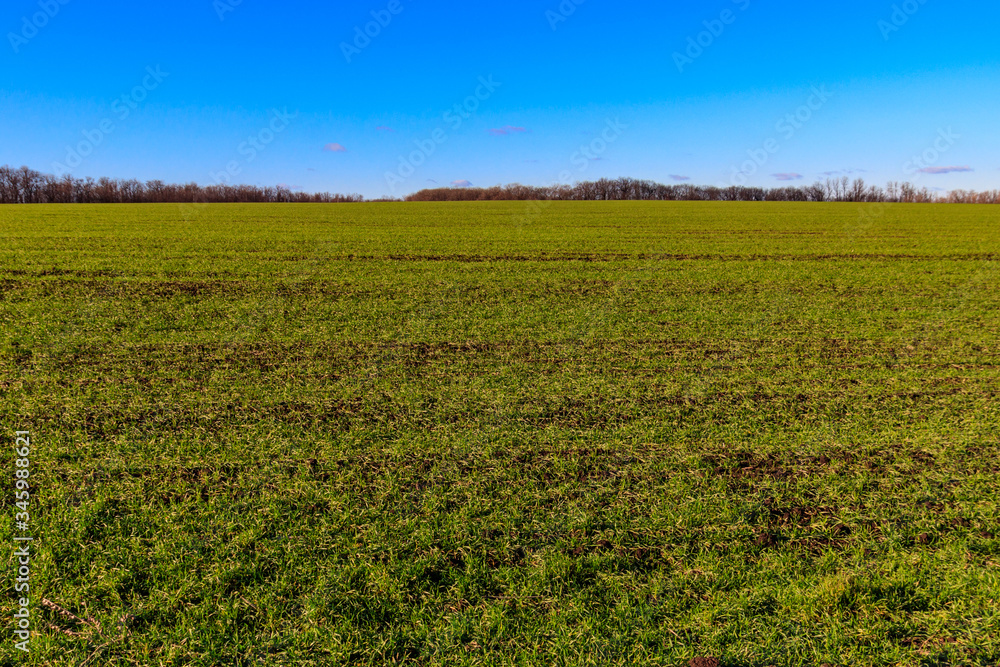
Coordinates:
(27,186)
(835,189)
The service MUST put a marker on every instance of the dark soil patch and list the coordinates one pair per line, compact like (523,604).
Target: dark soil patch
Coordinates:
(704,662)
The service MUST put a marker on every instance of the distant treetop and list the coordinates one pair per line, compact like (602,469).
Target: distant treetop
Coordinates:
(27,186)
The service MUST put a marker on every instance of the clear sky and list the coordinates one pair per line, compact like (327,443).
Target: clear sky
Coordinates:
(538,92)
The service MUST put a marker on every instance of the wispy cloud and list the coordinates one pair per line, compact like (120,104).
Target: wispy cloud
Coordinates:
(289,187)
(334,148)
(461,184)
(505,130)
(680,178)
(844,172)
(310,169)
(788,177)
(384,128)
(944,170)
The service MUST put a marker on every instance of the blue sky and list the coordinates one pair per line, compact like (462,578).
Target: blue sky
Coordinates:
(485,93)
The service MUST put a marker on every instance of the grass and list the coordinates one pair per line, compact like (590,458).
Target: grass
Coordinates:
(507,434)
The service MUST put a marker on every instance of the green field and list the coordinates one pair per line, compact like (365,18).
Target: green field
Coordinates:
(503,433)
